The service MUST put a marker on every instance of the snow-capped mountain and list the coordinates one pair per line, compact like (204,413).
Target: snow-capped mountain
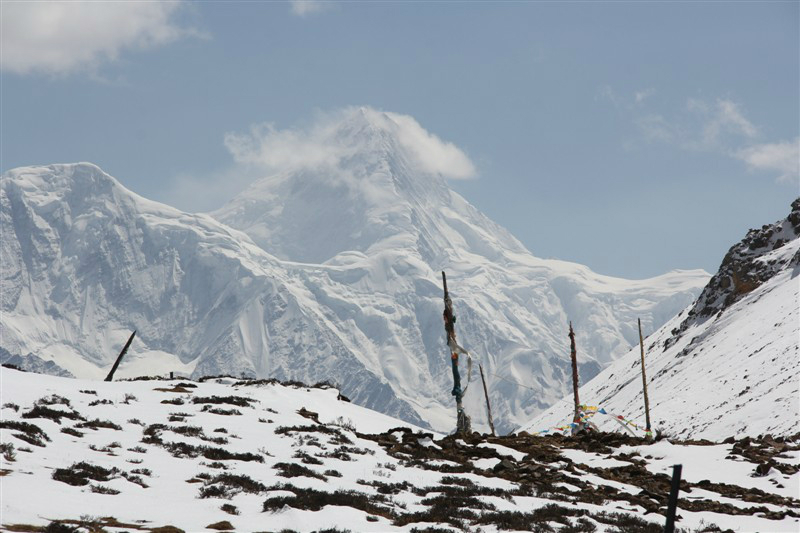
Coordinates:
(371,229)
(86,261)
(345,286)
(729,365)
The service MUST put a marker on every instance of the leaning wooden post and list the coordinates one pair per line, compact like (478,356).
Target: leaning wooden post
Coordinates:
(672,503)
(573,356)
(462,420)
(648,433)
(110,375)
(488,405)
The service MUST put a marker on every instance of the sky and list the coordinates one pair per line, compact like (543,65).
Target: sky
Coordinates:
(633,137)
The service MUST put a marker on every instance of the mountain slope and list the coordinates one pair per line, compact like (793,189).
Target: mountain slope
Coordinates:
(729,364)
(255,456)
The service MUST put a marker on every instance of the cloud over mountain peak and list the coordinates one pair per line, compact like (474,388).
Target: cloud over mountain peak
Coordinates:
(335,137)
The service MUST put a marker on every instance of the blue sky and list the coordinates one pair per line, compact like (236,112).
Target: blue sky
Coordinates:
(635,138)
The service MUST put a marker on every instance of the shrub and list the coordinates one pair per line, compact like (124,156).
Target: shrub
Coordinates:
(42,411)
(230,509)
(100,402)
(72,431)
(53,399)
(296,470)
(173,401)
(306,458)
(129,398)
(189,431)
(239,401)
(226,485)
(314,500)
(7,451)
(220,411)
(30,433)
(80,473)
(100,489)
(97,424)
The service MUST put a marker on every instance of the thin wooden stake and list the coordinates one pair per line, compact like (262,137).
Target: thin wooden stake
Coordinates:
(488,405)
(110,375)
(573,356)
(644,380)
(672,504)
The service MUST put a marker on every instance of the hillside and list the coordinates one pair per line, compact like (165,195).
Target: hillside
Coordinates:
(245,455)
(729,365)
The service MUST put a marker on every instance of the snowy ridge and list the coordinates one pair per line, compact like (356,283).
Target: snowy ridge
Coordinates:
(224,454)
(728,365)
(338,280)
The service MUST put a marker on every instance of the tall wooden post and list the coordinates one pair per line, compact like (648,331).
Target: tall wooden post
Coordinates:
(573,356)
(644,381)
(488,405)
(462,420)
(110,375)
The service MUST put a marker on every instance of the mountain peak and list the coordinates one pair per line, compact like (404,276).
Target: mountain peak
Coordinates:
(365,177)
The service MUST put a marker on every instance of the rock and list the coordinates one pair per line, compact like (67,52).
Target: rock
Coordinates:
(763,469)
(505,464)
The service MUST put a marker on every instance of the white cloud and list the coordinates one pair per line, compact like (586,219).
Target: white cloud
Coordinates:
(641,96)
(64,37)
(706,126)
(301,8)
(781,157)
(719,126)
(335,137)
(624,101)
(434,155)
(722,118)
(656,128)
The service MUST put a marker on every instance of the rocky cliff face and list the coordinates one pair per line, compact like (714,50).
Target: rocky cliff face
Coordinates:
(745,268)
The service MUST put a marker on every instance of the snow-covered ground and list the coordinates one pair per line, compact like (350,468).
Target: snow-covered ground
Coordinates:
(268,456)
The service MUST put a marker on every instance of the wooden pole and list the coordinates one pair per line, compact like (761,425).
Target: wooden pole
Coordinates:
(462,420)
(672,504)
(644,381)
(573,356)
(110,375)
(488,405)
